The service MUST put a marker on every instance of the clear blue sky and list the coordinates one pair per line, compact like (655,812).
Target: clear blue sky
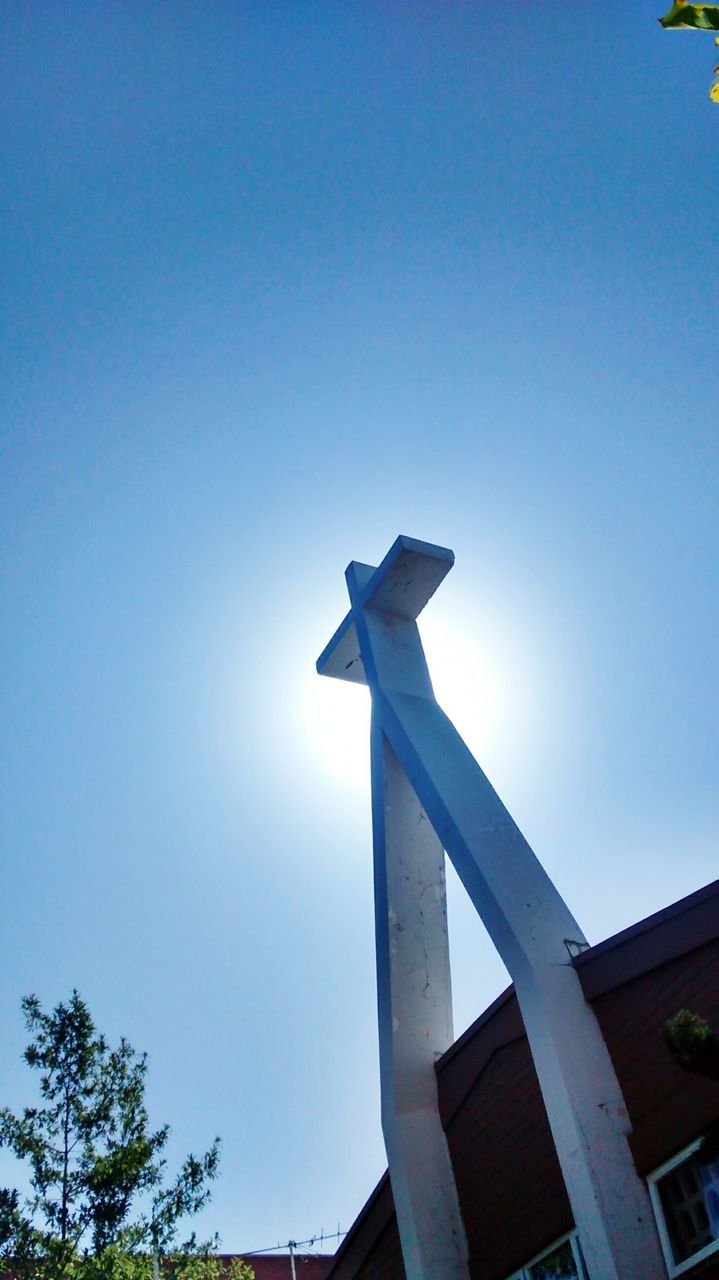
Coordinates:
(281,280)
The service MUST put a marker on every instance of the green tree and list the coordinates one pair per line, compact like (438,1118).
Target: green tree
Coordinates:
(102,1205)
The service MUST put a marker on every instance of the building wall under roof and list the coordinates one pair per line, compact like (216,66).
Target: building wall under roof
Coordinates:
(508,1176)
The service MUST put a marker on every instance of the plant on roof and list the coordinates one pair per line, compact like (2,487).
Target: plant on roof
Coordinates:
(102,1205)
(694,1046)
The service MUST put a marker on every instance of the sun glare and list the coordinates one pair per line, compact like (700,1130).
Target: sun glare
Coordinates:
(471,681)
(336,718)
(479,679)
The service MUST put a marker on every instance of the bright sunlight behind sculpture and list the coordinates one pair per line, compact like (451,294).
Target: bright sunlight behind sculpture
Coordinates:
(478,685)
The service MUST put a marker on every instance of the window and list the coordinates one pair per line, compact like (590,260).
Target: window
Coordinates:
(561,1261)
(685,1196)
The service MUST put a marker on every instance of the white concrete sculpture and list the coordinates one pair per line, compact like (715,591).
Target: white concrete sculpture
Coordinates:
(430,795)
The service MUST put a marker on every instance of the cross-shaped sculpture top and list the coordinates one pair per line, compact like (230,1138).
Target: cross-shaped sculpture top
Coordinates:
(406,579)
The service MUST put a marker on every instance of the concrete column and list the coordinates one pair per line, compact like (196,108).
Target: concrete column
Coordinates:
(415,1020)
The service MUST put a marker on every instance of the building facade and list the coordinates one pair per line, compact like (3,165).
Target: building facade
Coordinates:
(514,1204)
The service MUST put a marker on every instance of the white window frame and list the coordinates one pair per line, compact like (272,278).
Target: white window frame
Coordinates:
(675,1268)
(572,1237)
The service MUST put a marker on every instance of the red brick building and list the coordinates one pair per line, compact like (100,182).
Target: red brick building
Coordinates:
(515,1207)
(278,1266)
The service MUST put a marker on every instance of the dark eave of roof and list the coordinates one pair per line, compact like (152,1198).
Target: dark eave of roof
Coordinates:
(369,1224)
(662,937)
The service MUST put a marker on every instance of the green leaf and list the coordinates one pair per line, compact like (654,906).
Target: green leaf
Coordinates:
(692,17)
(693,1044)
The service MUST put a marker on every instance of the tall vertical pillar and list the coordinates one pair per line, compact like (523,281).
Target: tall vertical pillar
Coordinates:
(415,1020)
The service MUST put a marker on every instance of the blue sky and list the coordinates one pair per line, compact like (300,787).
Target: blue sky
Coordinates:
(279,282)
